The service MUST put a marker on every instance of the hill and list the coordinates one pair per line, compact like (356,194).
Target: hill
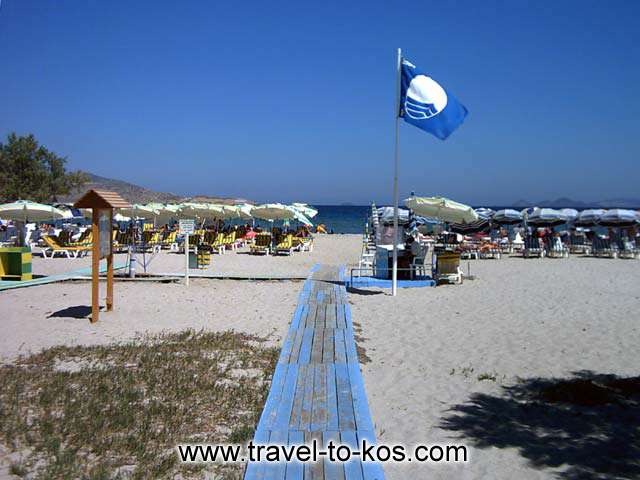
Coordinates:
(137,194)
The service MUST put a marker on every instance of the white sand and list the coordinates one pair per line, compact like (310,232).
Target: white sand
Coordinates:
(519,319)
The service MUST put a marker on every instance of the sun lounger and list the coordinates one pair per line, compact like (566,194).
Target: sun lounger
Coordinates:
(490,250)
(579,244)
(302,244)
(627,249)
(532,247)
(602,247)
(261,245)
(285,245)
(448,268)
(558,249)
(52,247)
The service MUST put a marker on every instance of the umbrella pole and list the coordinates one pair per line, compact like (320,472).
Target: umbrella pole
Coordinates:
(394,273)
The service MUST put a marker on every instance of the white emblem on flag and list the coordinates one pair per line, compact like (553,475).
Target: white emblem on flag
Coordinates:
(425,98)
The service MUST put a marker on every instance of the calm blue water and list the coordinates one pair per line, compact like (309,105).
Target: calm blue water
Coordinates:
(342,218)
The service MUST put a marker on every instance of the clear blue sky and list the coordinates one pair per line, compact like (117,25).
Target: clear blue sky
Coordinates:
(294,100)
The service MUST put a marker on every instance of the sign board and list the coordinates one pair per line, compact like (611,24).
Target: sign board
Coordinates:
(104,225)
(187,226)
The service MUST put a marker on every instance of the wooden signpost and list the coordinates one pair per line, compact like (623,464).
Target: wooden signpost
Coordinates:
(101,203)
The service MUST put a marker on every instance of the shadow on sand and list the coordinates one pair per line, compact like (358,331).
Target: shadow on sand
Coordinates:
(588,426)
(78,311)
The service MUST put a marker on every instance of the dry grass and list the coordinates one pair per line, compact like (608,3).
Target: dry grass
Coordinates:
(118,411)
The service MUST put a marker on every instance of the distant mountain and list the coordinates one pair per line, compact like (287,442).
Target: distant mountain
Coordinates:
(565,202)
(137,194)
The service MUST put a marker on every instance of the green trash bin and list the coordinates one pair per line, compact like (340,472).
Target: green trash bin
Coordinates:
(15,263)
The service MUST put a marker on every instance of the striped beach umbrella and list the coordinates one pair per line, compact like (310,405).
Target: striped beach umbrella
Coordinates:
(618,217)
(480,225)
(546,217)
(507,217)
(589,217)
(485,212)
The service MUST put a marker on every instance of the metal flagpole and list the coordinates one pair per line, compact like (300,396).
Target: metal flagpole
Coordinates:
(394,275)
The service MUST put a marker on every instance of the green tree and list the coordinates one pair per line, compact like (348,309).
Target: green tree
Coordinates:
(28,171)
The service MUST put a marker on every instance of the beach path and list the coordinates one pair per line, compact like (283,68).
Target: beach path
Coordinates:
(317,392)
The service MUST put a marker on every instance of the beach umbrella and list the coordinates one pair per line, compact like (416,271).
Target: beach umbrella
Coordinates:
(570,213)
(442,208)
(305,209)
(26,211)
(385,215)
(485,212)
(507,217)
(480,225)
(121,218)
(244,211)
(618,217)
(589,217)
(546,217)
(166,212)
(138,211)
(273,211)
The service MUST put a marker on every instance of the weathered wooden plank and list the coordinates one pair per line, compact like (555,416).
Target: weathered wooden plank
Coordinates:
(318,343)
(360,405)
(346,418)
(305,348)
(332,470)
(311,316)
(314,470)
(350,346)
(307,399)
(331,318)
(328,348)
(296,409)
(321,316)
(255,470)
(370,470)
(352,468)
(271,405)
(340,318)
(272,470)
(340,347)
(332,398)
(285,407)
(297,314)
(295,470)
(319,411)
(295,346)
(285,353)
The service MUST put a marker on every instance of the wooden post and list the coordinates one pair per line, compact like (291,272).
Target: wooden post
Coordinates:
(95,263)
(186,262)
(110,265)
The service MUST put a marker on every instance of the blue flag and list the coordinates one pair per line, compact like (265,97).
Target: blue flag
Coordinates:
(428,106)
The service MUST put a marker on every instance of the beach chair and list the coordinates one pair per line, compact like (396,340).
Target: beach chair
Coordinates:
(558,249)
(448,268)
(170,241)
(285,246)
(261,245)
(52,247)
(532,247)
(627,249)
(418,266)
(302,244)
(602,247)
(490,250)
(579,244)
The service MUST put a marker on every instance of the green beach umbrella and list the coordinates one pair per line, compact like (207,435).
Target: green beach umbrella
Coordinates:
(305,209)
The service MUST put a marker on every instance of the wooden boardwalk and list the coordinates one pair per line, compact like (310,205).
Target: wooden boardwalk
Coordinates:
(317,391)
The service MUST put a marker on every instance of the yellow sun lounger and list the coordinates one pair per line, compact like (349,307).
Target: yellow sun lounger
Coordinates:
(262,244)
(52,247)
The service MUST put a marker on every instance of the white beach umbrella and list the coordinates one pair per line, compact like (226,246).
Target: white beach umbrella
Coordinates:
(507,217)
(138,211)
(442,208)
(273,211)
(244,211)
(305,209)
(26,211)
(546,217)
(618,217)
(589,217)
(121,218)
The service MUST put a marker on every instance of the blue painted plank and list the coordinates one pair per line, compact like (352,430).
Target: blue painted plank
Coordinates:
(332,398)
(332,470)
(350,346)
(285,406)
(295,470)
(318,344)
(370,470)
(305,348)
(271,405)
(295,348)
(285,353)
(328,350)
(272,470)
(340,347)
(331,317)
(346,418)
(340,317)
(319,411)
(296,411)
(297,314)
(307,400)
(255,470)
(359,397)
(352,468)
(347,317)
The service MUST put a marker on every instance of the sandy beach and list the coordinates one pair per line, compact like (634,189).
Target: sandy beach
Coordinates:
(439,361)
